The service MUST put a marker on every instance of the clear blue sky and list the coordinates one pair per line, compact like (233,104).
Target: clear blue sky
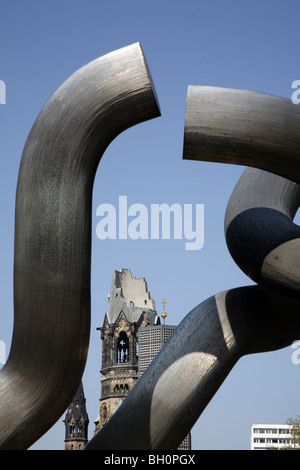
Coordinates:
(239,44)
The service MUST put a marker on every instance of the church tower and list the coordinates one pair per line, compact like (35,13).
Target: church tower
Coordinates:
(76,422)
(130,307)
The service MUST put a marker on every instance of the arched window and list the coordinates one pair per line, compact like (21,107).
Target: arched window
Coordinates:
(122,348)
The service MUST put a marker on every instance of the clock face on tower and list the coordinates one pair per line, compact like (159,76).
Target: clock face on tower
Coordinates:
(103,414)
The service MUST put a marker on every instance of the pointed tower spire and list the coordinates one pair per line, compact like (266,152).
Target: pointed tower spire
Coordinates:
(76,422)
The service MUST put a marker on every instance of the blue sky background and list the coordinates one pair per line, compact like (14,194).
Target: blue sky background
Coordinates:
(238,44)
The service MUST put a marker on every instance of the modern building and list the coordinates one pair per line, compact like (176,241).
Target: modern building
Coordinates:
(151,340)
(271,436)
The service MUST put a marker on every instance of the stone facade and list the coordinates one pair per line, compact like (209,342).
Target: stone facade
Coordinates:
(76,422)
(131,337)
(130,308)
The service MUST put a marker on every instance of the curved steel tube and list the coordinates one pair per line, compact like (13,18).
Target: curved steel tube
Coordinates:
(260,234)
(53,237)
(242,127)
(235,127)
(259,130)
(179,383)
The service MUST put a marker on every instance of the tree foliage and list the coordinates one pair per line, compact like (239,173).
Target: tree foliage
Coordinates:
(295,431)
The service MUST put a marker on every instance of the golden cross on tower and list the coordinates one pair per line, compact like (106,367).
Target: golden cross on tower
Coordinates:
(164,313)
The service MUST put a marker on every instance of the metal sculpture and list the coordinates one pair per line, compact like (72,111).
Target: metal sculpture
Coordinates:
(53,237)
(52,254)
(240,127)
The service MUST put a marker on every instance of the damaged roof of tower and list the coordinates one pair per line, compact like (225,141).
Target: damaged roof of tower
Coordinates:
(129,295)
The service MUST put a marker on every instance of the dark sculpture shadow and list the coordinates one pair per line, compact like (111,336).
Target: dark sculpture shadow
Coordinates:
(253,234)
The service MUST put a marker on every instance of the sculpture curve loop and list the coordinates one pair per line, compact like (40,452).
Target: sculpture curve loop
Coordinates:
(260,233)
(262,131)
(240,127)
(53,237)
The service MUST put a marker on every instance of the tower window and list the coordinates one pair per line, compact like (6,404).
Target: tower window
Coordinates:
(122,348)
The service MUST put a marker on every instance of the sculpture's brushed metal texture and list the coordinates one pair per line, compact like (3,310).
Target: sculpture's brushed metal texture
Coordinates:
(182,379)
(53,237)
(232,126)
(260,233)
(242,127)
(262,131)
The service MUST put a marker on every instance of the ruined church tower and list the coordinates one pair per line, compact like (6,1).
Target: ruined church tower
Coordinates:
(76,422)
(130,307)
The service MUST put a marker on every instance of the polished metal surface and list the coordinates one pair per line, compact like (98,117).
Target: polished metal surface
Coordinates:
(244,128)
(53,237)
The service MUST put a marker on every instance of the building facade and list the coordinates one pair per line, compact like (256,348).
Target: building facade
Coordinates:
(151,340)
(130,308)
(76,422)
(270,436)
(132,335)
